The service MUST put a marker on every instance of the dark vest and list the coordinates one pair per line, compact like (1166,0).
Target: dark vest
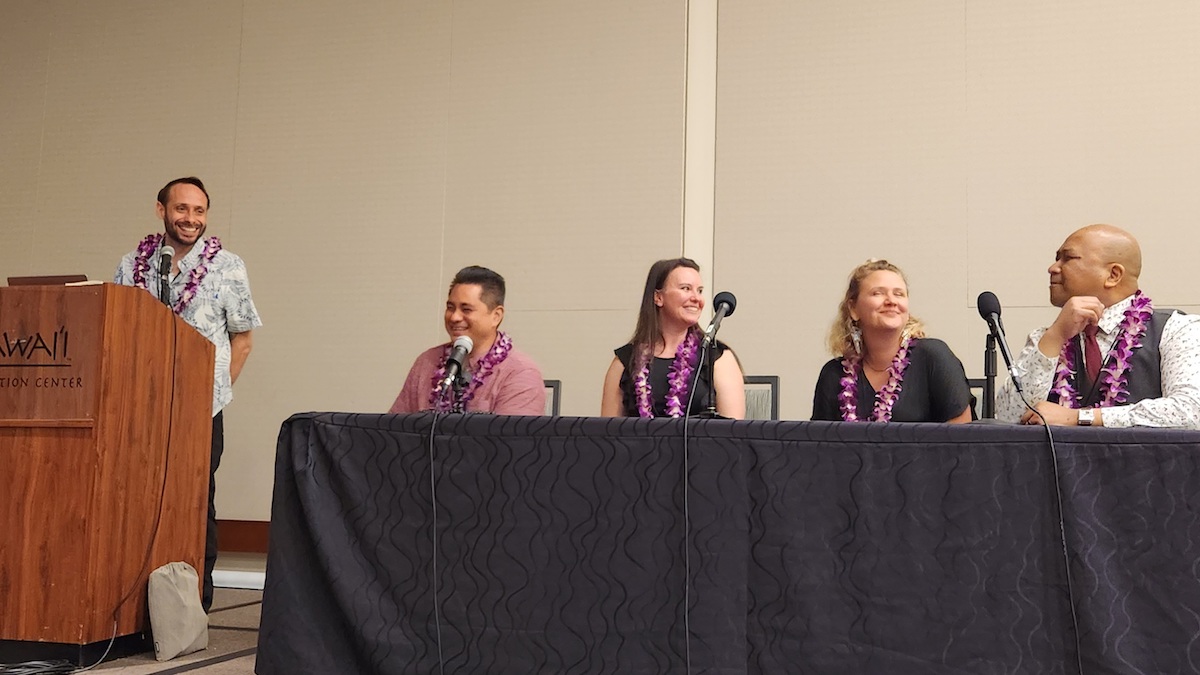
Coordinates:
(1144,374)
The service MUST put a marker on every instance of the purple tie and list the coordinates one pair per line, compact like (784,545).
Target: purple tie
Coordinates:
(1091,352)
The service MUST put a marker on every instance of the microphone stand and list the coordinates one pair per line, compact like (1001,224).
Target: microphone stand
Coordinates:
(988,410)
(706,359)
(164,281)
(706,363)
(458,385)
(451,389)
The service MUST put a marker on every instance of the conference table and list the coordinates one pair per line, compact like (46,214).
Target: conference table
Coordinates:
(492,544)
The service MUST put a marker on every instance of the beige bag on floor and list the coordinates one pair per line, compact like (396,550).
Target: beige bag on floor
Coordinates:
(177,620)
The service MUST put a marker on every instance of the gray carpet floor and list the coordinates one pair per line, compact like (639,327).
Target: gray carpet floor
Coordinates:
(232,639)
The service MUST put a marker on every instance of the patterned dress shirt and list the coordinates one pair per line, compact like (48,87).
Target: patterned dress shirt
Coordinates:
(222,305)
(514,387)
(1179,358)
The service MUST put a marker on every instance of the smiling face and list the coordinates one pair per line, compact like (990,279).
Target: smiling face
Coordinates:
(185,216)
(467,314)
(882,302)
(681,299)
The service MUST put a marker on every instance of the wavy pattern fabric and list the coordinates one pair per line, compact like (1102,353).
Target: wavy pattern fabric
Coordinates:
(562,547)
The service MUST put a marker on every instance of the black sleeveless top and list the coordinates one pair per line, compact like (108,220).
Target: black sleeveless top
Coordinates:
(1144,374)
(659,370)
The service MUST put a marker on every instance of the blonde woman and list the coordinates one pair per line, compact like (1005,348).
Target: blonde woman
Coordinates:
(885,369)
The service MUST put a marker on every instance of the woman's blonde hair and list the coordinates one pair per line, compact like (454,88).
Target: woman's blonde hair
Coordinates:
(841,342)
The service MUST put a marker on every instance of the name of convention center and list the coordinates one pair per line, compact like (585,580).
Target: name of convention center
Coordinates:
(41,382)
(18,347)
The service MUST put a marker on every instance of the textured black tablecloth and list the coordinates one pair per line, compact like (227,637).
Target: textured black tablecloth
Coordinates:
(813,548)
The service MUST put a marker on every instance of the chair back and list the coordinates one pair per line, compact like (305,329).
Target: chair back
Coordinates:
(553,396)
(762,397)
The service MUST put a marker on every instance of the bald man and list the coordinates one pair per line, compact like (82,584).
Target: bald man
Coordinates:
(1111,358)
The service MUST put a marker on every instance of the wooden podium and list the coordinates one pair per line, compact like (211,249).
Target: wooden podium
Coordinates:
(105,427)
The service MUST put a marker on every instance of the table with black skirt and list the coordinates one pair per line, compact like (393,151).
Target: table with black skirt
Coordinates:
(570,545)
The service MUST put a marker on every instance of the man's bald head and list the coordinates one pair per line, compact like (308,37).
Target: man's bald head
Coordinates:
(1099,260)
(1114,245)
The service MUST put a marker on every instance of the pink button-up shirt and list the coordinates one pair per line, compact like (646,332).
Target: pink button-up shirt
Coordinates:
(515,386)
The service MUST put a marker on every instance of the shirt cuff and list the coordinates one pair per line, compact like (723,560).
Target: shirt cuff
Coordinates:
(1117,416)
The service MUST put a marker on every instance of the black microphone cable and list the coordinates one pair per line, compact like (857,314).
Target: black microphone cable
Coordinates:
(1062,528)
(437,617)
(989,309)
(727,299)
(58,667)
(687,516)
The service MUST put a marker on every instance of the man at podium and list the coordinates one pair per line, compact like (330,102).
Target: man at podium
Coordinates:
(207,287)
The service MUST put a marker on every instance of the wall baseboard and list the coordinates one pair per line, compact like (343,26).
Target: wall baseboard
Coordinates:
(243,536)
(254,581)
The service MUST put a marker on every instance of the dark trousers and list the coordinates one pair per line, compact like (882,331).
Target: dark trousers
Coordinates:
(210,542)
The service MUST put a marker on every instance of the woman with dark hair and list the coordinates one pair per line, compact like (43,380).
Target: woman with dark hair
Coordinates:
(652,376)
(886,370)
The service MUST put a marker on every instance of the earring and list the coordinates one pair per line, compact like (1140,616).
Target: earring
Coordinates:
(856,338)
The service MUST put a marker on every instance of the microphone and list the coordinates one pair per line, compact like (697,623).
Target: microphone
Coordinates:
(989,309)
(724,303)
(165,254)
(458,356)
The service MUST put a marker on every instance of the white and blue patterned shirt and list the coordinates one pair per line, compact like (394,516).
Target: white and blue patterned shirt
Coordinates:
(1179,360)
(222,305)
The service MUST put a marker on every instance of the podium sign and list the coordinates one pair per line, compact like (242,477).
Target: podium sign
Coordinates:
(47,369)
(105,427)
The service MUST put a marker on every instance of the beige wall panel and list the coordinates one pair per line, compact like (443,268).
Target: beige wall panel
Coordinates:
(580,364)
(565,157)
(137,93)
(565,169)
(338,210)
(840,137)
(23,55)
(1082,112)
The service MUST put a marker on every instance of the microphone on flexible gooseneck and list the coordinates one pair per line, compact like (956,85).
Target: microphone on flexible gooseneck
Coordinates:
(723,305)
(458,356)
(165,254)
(989,309)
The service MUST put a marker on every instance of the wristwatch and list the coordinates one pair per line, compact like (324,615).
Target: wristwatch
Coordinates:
(1087,416)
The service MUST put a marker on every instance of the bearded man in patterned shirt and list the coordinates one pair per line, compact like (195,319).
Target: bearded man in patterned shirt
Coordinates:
(1111,358)
(209,289)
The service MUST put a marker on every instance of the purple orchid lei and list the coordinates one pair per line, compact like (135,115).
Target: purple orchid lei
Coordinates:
(1114,377)
(141,265)
(499,351)
(679,378)
(885,400)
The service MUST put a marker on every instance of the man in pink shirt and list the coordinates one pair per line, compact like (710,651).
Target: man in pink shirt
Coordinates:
(498,378)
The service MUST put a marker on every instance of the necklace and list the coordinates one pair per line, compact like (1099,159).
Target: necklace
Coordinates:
(141,265)
(874,369)
(678,377)
(462,396)
(885,400)
(1114,375)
